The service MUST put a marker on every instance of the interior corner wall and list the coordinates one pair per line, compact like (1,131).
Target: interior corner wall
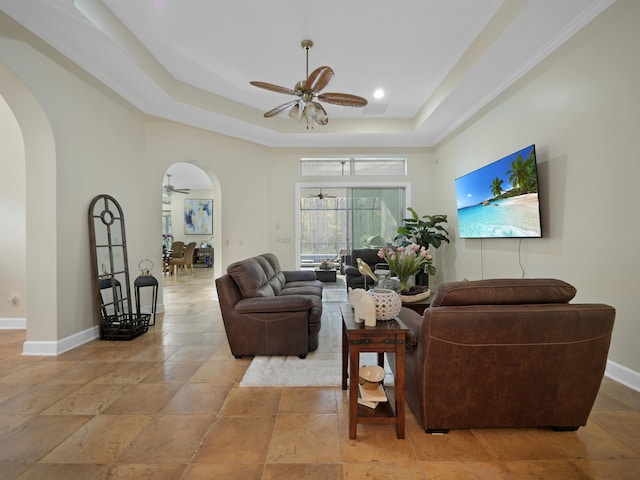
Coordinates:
(580,107)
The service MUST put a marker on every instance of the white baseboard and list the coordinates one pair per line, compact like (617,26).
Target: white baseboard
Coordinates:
(54,348)
(623,375)
(13,323)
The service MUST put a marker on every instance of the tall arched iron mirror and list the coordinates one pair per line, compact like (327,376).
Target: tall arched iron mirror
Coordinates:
(110,272)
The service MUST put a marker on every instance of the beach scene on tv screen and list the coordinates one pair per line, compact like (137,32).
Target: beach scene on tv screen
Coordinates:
(500,199)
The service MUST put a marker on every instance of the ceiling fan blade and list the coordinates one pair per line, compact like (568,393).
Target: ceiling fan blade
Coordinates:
(319,79)
(282,108)
(182,190)
(273,88)
(344,99)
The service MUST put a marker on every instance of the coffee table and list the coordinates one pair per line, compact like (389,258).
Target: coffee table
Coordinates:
(387,336)
(326,275)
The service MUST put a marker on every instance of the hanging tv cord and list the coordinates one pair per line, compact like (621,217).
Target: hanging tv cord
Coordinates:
(520,256)
(481,259)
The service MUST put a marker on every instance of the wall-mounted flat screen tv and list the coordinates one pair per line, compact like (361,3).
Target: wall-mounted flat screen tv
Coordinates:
(501,199)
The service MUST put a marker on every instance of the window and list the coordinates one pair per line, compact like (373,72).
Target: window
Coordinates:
(166,222)
(345,167)
(343,218)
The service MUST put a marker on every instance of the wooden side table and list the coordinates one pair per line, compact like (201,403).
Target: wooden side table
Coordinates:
(388,336)
(420,306)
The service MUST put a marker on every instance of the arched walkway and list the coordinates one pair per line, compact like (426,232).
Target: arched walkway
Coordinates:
(207,186)
(41,214)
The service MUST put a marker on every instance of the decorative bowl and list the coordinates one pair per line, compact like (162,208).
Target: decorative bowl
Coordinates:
(415,298)
(371,376)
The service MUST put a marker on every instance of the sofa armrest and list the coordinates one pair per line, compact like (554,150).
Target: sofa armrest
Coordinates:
(351,270)
(299,275)
(285,303)
(413,321)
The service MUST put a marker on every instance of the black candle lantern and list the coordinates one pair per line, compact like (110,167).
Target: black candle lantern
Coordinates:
(147,280)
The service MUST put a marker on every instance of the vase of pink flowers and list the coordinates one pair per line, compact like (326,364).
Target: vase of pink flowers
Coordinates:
(406,261)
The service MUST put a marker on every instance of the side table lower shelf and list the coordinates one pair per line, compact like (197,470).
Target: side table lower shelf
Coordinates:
(385,337)
(384,412)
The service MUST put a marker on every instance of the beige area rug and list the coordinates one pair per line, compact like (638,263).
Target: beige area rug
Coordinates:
(321,368)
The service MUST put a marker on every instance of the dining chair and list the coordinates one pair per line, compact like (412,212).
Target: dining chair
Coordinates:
(185,261)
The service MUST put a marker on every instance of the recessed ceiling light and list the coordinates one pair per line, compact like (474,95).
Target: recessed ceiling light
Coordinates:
(379,93)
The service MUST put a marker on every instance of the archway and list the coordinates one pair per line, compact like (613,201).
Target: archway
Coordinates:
(13,283)
(41,214)
(194,183)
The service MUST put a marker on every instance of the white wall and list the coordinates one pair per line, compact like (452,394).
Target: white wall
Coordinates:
(12,219)
(238,171)
(580,108)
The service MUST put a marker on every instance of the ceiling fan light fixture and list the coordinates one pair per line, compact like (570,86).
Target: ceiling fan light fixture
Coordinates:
(295,112)
(306,109)
(315,114)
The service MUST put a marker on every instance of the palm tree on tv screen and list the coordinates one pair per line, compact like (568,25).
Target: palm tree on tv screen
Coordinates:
(523,173)
(496,187)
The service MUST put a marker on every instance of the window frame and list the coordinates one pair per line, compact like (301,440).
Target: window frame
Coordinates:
(368,166)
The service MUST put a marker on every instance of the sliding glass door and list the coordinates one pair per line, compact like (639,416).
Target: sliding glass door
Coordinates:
(375,215)
(343,218)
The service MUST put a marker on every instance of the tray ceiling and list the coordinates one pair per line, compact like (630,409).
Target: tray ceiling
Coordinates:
(438,61)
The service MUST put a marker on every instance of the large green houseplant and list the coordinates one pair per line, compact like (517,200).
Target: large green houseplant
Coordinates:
(425,231)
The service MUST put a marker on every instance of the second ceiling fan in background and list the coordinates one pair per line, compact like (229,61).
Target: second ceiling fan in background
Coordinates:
(321,196)
(168,190)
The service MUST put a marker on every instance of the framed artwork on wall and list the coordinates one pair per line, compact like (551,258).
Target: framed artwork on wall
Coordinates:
(198,216)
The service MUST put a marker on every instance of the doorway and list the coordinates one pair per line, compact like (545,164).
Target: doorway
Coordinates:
(189,192)
(339,218)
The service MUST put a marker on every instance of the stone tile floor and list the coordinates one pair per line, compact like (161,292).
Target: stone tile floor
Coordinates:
(167,406)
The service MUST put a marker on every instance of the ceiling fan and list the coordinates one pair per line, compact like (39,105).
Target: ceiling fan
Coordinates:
(305,108)
(168,190)
(321,196)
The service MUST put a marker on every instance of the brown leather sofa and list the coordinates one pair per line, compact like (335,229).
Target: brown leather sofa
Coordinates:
(267,311)
(506,353)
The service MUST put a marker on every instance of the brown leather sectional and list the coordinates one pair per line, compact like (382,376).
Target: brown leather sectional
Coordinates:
(506,353)
(267,311)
